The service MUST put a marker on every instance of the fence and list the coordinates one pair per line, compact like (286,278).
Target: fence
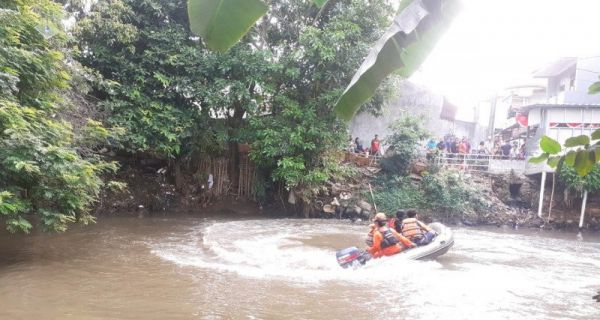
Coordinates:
(480,162)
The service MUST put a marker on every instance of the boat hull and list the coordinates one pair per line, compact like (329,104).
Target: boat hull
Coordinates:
(354,257)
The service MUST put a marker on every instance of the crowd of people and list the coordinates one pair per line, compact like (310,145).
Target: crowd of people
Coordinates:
(448,145)
(387,237)
(356,146)
(452,145)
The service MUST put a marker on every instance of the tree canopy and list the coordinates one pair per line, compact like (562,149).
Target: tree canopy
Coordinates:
(275,89)
(44,175)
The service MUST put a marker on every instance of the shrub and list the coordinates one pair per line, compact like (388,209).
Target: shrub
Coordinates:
(443,193)
(408,132)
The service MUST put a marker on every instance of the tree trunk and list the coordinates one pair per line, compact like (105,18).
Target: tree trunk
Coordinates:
(178,175)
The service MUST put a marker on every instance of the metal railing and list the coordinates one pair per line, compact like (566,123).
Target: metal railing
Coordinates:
(479,162)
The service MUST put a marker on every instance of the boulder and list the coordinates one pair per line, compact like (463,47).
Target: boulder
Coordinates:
(418,167)
(365,205)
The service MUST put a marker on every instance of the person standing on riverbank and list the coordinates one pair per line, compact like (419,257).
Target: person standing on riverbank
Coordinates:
(375,145)
(386,241)
(358,146)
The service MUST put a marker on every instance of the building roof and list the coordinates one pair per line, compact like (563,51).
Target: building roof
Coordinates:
(556,68)
(554,105)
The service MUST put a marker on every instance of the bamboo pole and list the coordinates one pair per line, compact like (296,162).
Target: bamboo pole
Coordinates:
(372,197)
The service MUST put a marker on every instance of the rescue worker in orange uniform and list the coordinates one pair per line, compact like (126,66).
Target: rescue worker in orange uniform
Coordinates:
(386,241)
(415,230)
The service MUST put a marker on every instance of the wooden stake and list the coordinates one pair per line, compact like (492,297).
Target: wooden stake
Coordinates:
(372,197)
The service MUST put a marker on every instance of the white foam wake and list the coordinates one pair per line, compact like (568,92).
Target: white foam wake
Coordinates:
(278,249)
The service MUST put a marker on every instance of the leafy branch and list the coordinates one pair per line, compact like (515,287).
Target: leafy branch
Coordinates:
(580,152)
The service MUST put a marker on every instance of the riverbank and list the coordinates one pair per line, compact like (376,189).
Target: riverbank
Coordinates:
(501,200)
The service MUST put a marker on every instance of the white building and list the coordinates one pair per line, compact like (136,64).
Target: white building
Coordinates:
(569,110)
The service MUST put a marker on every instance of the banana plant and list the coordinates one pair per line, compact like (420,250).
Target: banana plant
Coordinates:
(401,50)
(222,23)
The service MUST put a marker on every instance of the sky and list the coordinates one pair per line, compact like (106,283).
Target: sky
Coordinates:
(493,44)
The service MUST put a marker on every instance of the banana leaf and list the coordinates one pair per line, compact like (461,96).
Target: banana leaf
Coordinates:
(401,50)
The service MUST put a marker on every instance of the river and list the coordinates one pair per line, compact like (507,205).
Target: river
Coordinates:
(213,268)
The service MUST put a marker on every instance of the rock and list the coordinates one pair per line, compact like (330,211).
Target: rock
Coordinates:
(335,202)
(358,210)
(328,209)
(365,205)
(349,213)
(415,177)
(345,195)
(469,222)
(418,167)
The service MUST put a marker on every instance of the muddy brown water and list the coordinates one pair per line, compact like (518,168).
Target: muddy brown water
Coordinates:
(201,268)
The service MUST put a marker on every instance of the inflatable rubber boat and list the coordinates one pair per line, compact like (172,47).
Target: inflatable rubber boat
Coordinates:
(354,257)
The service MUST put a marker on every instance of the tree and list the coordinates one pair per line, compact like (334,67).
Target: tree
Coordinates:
(402,48)
(406,135)
(42,171)
(317,53)
(173,96)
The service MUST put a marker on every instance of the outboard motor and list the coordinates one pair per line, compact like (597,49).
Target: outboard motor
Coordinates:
(352,257)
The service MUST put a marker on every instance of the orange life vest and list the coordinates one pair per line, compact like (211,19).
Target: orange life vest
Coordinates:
(389,239)
(411,228)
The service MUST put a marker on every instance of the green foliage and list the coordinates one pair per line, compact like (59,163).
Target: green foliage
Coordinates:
(443,193)
(580,152)
(295,144)
(402,49)
(398,193)
(577,141)
(594,88)
(550,145)
(448,193)
(274,90)
(539,159)
(30,60)
(408,132)
(572,180)
(222,23)
(297,140)
(171,95)
(42,172)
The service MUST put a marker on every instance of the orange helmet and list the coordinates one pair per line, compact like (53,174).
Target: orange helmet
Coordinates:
(380,216)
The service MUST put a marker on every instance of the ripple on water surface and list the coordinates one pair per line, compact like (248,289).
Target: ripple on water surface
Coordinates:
(494,275)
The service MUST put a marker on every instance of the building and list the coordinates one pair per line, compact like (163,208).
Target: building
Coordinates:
(439,113)
(569,110)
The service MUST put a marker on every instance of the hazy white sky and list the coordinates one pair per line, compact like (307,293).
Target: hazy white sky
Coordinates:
(493,44)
